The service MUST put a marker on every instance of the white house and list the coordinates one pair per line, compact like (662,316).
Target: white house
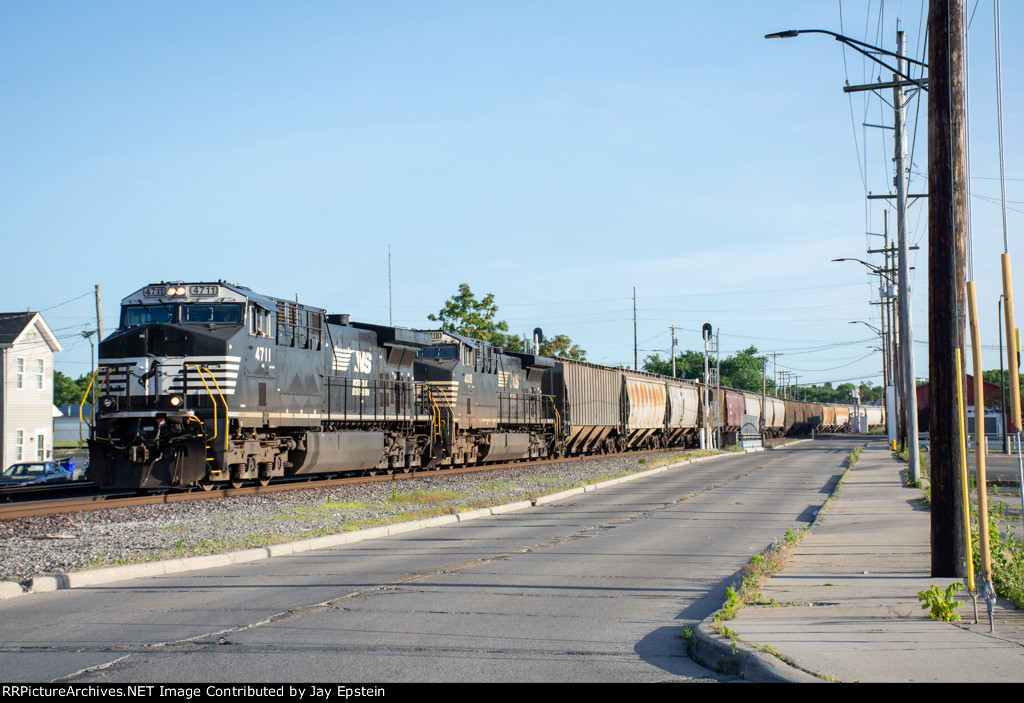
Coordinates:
(26,387)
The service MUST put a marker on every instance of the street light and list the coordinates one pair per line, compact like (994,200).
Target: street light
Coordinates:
(900,79)
(889,364)
(856,45)
(861,322)
(875,269)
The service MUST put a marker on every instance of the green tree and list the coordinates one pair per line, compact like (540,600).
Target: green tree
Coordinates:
(464,314)
(470,316)
(67,390)
(561,346)
(742,370)
(689,364)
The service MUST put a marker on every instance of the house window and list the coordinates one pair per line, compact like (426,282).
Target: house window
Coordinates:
(19,445)
(19,373)
(39,374)
(41,446)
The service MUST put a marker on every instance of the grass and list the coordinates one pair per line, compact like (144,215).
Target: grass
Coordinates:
(428,497)
(496,486)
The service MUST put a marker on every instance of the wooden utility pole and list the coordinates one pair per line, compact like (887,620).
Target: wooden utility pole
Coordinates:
(99,318)
(947,209)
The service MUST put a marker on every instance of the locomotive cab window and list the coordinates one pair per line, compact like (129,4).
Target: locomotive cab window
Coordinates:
(218,313)
(261,322)
(136,315)
(443,351)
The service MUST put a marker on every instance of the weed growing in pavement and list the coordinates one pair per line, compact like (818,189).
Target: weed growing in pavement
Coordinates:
(688,638)
(793,537)
(854,456)
(941,602)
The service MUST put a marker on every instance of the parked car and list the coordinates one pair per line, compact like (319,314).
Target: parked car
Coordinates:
(34,473)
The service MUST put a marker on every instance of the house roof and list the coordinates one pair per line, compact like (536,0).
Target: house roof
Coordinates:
(14,324)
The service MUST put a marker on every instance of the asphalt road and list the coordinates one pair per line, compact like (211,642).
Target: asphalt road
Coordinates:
(596,588)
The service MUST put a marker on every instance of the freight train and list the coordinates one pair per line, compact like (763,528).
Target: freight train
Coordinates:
(206,384)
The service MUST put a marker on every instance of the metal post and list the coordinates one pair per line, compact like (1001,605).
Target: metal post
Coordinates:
(764,394)
(906,332)
(673,328)
(1002,385)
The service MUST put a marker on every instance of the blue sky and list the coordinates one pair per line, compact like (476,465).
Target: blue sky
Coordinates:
(554,154)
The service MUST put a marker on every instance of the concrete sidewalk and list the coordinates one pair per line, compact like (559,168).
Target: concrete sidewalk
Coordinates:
(847,607)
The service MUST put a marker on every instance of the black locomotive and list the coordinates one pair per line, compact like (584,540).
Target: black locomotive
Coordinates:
(211,383)
(207,383)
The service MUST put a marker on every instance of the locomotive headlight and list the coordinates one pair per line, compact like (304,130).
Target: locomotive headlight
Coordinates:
(172,402)
(181,290)
(107,403)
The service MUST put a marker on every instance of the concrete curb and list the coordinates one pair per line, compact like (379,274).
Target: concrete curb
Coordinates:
(99,577)
(729,657)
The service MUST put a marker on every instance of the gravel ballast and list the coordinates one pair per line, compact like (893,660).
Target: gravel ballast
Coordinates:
(46,546)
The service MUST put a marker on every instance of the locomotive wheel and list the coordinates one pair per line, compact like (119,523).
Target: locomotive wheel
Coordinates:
(264,481)
(205,485)
(236,482)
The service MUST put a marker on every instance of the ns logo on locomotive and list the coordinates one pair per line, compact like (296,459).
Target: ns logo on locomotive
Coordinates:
(207,384)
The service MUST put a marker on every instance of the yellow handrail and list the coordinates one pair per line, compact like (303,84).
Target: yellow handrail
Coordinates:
(437,410)
(435,413)
(209,392)
(227,434)
(92,410)
(558,417)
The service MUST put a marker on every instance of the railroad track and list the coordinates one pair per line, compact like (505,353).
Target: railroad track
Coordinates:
(38,508)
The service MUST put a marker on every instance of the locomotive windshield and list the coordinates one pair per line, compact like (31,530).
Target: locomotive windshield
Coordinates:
(219,313)
(135,315)
(191,313)
(444,351)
